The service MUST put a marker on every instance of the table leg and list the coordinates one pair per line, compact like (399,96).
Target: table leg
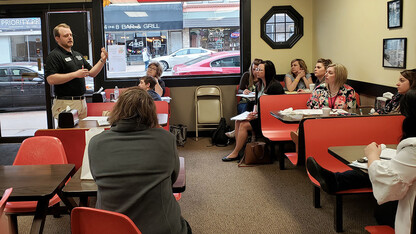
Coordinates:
(68,201)
(83,201)
(40,215)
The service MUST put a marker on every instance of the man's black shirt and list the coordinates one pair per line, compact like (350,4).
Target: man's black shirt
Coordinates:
(62,62)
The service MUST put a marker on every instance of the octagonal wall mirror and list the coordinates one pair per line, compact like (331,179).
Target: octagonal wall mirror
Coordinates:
(281,27)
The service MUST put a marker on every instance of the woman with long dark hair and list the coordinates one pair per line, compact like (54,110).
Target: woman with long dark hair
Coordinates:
(267,85)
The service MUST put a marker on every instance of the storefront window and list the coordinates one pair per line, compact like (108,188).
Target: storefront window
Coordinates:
(168,31)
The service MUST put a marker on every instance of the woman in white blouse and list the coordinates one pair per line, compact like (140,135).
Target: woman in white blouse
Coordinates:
(391,180)
(394,179)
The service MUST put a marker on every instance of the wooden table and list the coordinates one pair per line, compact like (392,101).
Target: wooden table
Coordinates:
(162,119)
(35,183)
(348,154)
(88,188)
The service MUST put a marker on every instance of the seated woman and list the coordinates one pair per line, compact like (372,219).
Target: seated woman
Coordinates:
(135,164)
(391,179)
(407,80)
(267,85)
(155,70)
(247,85)
(320,69)
(334,93)
(298,78)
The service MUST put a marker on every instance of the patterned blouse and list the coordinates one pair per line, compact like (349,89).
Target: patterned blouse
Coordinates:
(392,106)
(345,98)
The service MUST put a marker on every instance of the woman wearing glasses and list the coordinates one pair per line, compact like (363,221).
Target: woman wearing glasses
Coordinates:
(155,70)
(267,85)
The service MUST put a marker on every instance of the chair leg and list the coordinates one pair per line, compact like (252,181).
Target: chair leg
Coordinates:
(13,223)
(338,213)
(316,197)
(281,156)
(56,210)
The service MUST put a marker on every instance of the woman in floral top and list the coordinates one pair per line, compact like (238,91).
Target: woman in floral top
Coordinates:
(334,93)
(406,82)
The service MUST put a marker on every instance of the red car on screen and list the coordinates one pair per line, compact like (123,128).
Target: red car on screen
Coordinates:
(215,63)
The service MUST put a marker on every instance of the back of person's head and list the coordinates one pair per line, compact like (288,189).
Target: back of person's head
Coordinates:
(411,76)
(408,109)
(341,74)
(135,103)
(56,29)
(325,62)
(302,64)
(158,67)
(149,80)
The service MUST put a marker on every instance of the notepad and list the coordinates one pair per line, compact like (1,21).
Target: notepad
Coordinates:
(242,116)
(101,120)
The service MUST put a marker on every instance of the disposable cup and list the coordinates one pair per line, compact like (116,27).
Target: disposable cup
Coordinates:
(326,111)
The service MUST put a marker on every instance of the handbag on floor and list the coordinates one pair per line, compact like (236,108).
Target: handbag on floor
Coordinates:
(256,153)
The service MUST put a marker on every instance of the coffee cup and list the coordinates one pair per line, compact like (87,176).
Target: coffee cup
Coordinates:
(326,111)
(311,87)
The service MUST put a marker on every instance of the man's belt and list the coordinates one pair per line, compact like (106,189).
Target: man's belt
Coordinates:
(70,97)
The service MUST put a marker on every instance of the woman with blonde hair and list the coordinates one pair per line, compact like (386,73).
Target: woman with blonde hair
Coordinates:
(134,165)
(334,93)
(298,78)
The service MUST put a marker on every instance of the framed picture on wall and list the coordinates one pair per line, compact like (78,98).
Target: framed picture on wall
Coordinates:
(394,52)
(394,14)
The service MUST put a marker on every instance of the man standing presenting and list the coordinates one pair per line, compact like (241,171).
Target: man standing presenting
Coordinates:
(66,69)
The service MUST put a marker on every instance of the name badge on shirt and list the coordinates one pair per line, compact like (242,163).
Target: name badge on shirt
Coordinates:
(78,57)
(68,59)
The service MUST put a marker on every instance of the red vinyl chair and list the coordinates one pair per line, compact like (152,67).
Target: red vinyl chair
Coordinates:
(275,130)
(4,198)
(381,229)
(4,226)
(39,150)
(87,220)
(162,107)
(97,108)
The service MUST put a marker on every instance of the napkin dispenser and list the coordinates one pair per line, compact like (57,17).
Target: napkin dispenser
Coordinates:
(68,119)
(98,97)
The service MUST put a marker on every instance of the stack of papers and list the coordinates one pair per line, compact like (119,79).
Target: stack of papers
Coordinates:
(242,116)
(101,120)
(250,95)
(166,99)
(290,111)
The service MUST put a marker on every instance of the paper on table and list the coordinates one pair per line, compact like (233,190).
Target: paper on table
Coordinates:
(242,116)
(166,99)
(387,153)
(101,120)
(358,165)
(290,111)
(250,95)
(85,168)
